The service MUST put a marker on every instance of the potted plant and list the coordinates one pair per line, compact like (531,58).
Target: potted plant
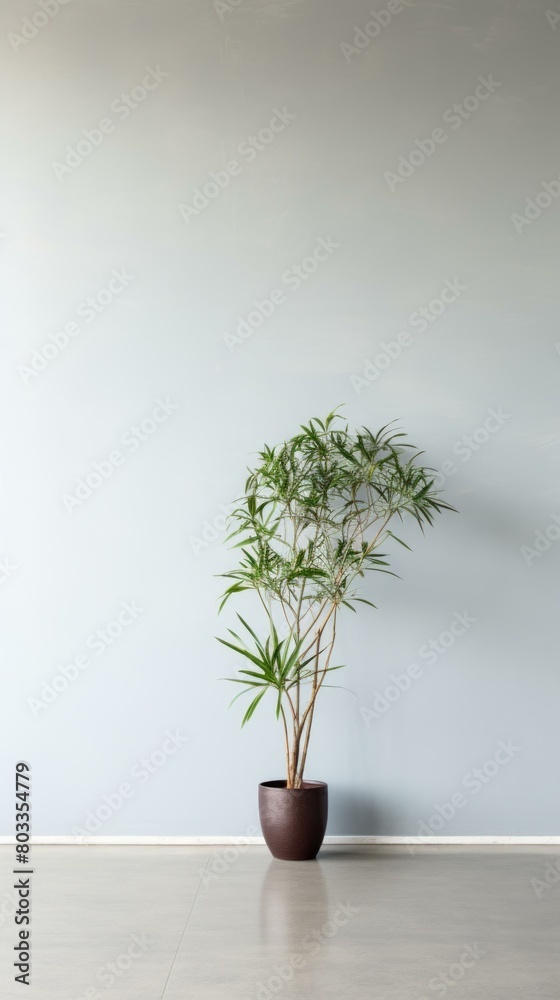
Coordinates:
(316,512)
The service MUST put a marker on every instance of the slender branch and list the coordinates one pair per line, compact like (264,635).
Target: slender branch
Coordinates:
(286,738)
(321,675)
(318,681)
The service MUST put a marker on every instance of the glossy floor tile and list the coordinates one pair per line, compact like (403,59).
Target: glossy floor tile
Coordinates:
(369,923)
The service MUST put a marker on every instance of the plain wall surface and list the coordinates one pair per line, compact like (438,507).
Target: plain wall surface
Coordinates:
(349,103)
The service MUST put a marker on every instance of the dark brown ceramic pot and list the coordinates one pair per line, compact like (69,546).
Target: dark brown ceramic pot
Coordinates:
(293,820)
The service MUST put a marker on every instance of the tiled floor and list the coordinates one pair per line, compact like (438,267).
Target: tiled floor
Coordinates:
(367,923)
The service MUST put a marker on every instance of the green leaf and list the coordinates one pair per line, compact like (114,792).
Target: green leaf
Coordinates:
(240,693)
(235,589)
(252,707)
(244,542)
(399,540)
(242,652)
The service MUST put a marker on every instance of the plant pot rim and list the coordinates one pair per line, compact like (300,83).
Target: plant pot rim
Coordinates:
(279,785)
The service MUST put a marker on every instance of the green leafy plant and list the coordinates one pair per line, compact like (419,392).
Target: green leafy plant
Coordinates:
(315,514)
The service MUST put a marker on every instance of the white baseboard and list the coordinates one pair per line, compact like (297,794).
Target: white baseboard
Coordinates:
(125,841)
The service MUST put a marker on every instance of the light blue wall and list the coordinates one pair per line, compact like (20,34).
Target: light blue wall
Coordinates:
(348,109)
